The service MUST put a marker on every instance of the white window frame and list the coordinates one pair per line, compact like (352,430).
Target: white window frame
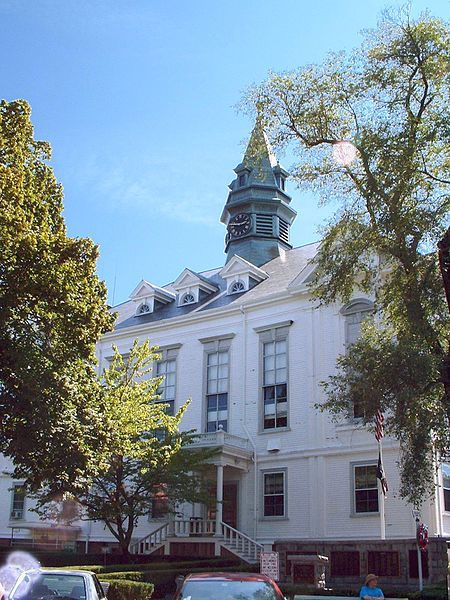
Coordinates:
(353,467)
(16,485)
(212,345)
(235,282)
(210,394)
(445,487)
(273,333)
(275,471)
(360,308)
(185,296)
(168,354)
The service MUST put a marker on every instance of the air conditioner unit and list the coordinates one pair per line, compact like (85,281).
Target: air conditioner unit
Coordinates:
(17,514)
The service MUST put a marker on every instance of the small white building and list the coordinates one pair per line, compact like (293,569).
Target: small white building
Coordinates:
(248,345)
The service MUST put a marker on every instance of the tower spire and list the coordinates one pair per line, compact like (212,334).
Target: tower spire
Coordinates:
(259,154)
(257,212)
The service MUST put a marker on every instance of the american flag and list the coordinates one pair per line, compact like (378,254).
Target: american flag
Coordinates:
(379,425)
(381,475)
(379,433)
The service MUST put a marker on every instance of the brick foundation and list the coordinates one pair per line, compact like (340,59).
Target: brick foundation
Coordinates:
(395,561)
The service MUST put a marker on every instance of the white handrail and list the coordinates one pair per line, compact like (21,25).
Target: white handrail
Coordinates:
(243,543)
(155,538)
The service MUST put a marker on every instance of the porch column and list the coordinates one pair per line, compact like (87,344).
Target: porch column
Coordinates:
(219,500)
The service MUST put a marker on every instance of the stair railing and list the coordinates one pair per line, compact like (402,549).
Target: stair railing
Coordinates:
(151,541)
(241,542)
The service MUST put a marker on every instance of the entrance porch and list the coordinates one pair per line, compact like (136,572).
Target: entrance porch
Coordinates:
(214,528)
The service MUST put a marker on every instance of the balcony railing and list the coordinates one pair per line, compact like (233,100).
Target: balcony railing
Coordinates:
(220,438)
(194,527)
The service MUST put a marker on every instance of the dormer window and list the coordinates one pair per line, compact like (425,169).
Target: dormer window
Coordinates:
(241,275)
(148,297)
(237,287)
(242,179)
(188,299)
(192,287)
(143,309)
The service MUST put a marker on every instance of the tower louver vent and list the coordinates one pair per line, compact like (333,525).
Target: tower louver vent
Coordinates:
(264,224)
(284,231)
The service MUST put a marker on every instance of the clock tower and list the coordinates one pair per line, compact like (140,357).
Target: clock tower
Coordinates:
(257,214)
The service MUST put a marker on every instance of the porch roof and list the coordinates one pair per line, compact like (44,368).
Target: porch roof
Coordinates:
(234,450)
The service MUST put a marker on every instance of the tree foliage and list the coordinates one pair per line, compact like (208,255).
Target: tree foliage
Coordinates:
(52,312)
(145,456)
(371,130)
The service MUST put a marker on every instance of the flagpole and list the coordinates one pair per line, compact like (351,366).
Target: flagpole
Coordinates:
(382,499)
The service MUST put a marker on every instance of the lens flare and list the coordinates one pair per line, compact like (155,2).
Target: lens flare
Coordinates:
(16,563)
(344,153)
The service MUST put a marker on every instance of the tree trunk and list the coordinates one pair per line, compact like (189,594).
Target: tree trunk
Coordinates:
(444,264)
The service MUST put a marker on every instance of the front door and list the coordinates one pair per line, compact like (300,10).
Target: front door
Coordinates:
(230,503)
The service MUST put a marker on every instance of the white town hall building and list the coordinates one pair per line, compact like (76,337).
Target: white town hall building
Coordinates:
(247,344)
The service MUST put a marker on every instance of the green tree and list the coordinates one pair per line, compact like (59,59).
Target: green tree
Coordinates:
(52,312)
(146,457)
(371,129)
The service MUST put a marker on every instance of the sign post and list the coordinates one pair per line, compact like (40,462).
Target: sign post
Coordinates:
(270,564)
(416,517)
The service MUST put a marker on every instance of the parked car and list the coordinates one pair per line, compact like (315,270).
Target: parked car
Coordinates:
(228,586)
(49,584)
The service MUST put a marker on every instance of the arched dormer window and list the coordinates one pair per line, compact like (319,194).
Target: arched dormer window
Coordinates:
(143,309)
(188,299)
(355,313)
(237,287)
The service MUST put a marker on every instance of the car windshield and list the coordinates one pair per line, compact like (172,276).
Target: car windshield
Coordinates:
(34,587)
(228,590)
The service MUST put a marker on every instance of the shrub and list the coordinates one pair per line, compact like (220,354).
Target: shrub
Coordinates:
(129,590)
(158,564)
(127,575)
(437,592)
(164,579)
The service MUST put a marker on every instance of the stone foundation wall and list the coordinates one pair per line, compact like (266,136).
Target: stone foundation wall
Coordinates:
(394,561)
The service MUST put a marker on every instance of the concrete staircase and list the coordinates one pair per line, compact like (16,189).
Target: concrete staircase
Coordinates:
(152,542)
(233,540)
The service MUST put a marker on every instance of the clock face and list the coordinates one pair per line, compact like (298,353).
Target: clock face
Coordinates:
(240,225)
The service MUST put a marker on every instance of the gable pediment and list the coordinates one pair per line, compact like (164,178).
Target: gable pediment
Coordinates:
(189,279)
(142,290)
(146,293)
(237,266)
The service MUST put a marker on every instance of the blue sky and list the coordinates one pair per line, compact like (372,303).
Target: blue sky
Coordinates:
(137,98)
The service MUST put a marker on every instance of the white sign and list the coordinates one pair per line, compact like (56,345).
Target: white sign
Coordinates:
(270,564)
(416,514)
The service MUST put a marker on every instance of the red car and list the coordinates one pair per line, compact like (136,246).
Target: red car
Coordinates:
(228,586)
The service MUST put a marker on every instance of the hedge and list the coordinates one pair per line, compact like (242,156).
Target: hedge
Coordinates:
(149,566)
(129,590)
(164,579)
(431,592)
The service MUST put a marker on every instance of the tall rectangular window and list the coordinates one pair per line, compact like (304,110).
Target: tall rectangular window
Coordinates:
(274,494)
(365,489)
(217,371)
(446,486)
(355,314)
(166,390)
(275,386)
(18,502)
